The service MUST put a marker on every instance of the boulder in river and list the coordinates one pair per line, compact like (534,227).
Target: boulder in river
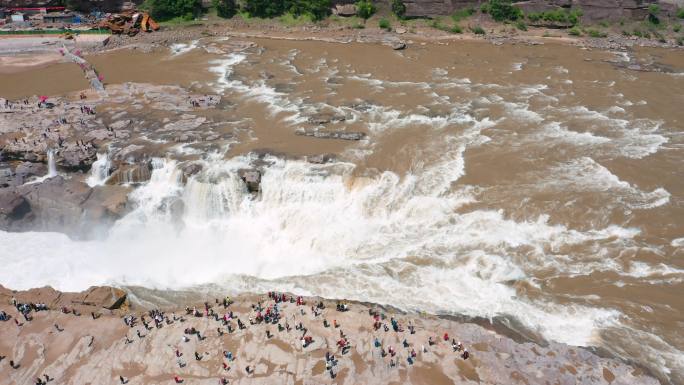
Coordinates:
(189,170)
(398,45)
(252,179)
(320,158)
(326,117)
(343,135)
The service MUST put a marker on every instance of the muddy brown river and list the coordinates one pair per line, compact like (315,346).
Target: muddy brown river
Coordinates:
(543,184)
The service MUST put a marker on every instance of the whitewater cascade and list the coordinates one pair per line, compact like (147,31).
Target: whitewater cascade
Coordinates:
(52,166)
(99,171)
(318,229)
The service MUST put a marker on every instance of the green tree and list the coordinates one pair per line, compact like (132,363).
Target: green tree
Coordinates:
(503,10)
(653,10)
(168,9)
(225,8)
(365,9)
(264,8)
(398,8)
(316,9)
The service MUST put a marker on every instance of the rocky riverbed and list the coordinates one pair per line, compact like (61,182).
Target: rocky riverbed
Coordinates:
(67,134)
(88,337)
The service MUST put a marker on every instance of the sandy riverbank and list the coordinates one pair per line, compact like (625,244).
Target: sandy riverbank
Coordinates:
(21,53)
(74,348)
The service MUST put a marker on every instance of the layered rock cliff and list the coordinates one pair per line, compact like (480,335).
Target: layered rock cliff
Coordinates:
(592,10)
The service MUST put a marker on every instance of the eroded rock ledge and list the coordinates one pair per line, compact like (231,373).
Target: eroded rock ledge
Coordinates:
(83,336)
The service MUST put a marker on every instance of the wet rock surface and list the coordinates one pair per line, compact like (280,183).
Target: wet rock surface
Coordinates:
(61,204)
(251,178)
(13,207)
(343,135)
(74,131)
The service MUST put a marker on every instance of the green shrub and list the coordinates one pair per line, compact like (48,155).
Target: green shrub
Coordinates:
(456,29)
(680,40)
(313,9)
(680,13)
(462,14)
(502,10)
(653,10)
(534,16)
(557,16)
(676,28)
(168,9)
(596,33)
(637,33)
(225,8)
(477,30)
(398,8)
(78,6)
(263,8)
(365,9)
(437,24)
(290,19)
(574,31)
(521,25)
(384,24)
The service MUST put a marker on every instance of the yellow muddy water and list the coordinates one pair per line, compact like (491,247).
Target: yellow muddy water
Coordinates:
(541,183)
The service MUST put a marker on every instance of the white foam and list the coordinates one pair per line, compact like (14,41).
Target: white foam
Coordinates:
(555,130)
(585,174)
(628,138)
(52,168)
(315,228)
(644,270)
(224,69)
(99,171)
(181,48)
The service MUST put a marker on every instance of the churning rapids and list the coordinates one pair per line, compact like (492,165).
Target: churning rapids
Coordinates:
(542,184)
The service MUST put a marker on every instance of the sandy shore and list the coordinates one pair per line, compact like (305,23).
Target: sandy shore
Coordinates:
(21,53)
(68,345)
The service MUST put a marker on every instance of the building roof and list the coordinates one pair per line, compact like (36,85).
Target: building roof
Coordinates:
(57,14)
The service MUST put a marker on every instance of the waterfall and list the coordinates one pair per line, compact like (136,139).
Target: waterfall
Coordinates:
(99,171)
(52,166)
